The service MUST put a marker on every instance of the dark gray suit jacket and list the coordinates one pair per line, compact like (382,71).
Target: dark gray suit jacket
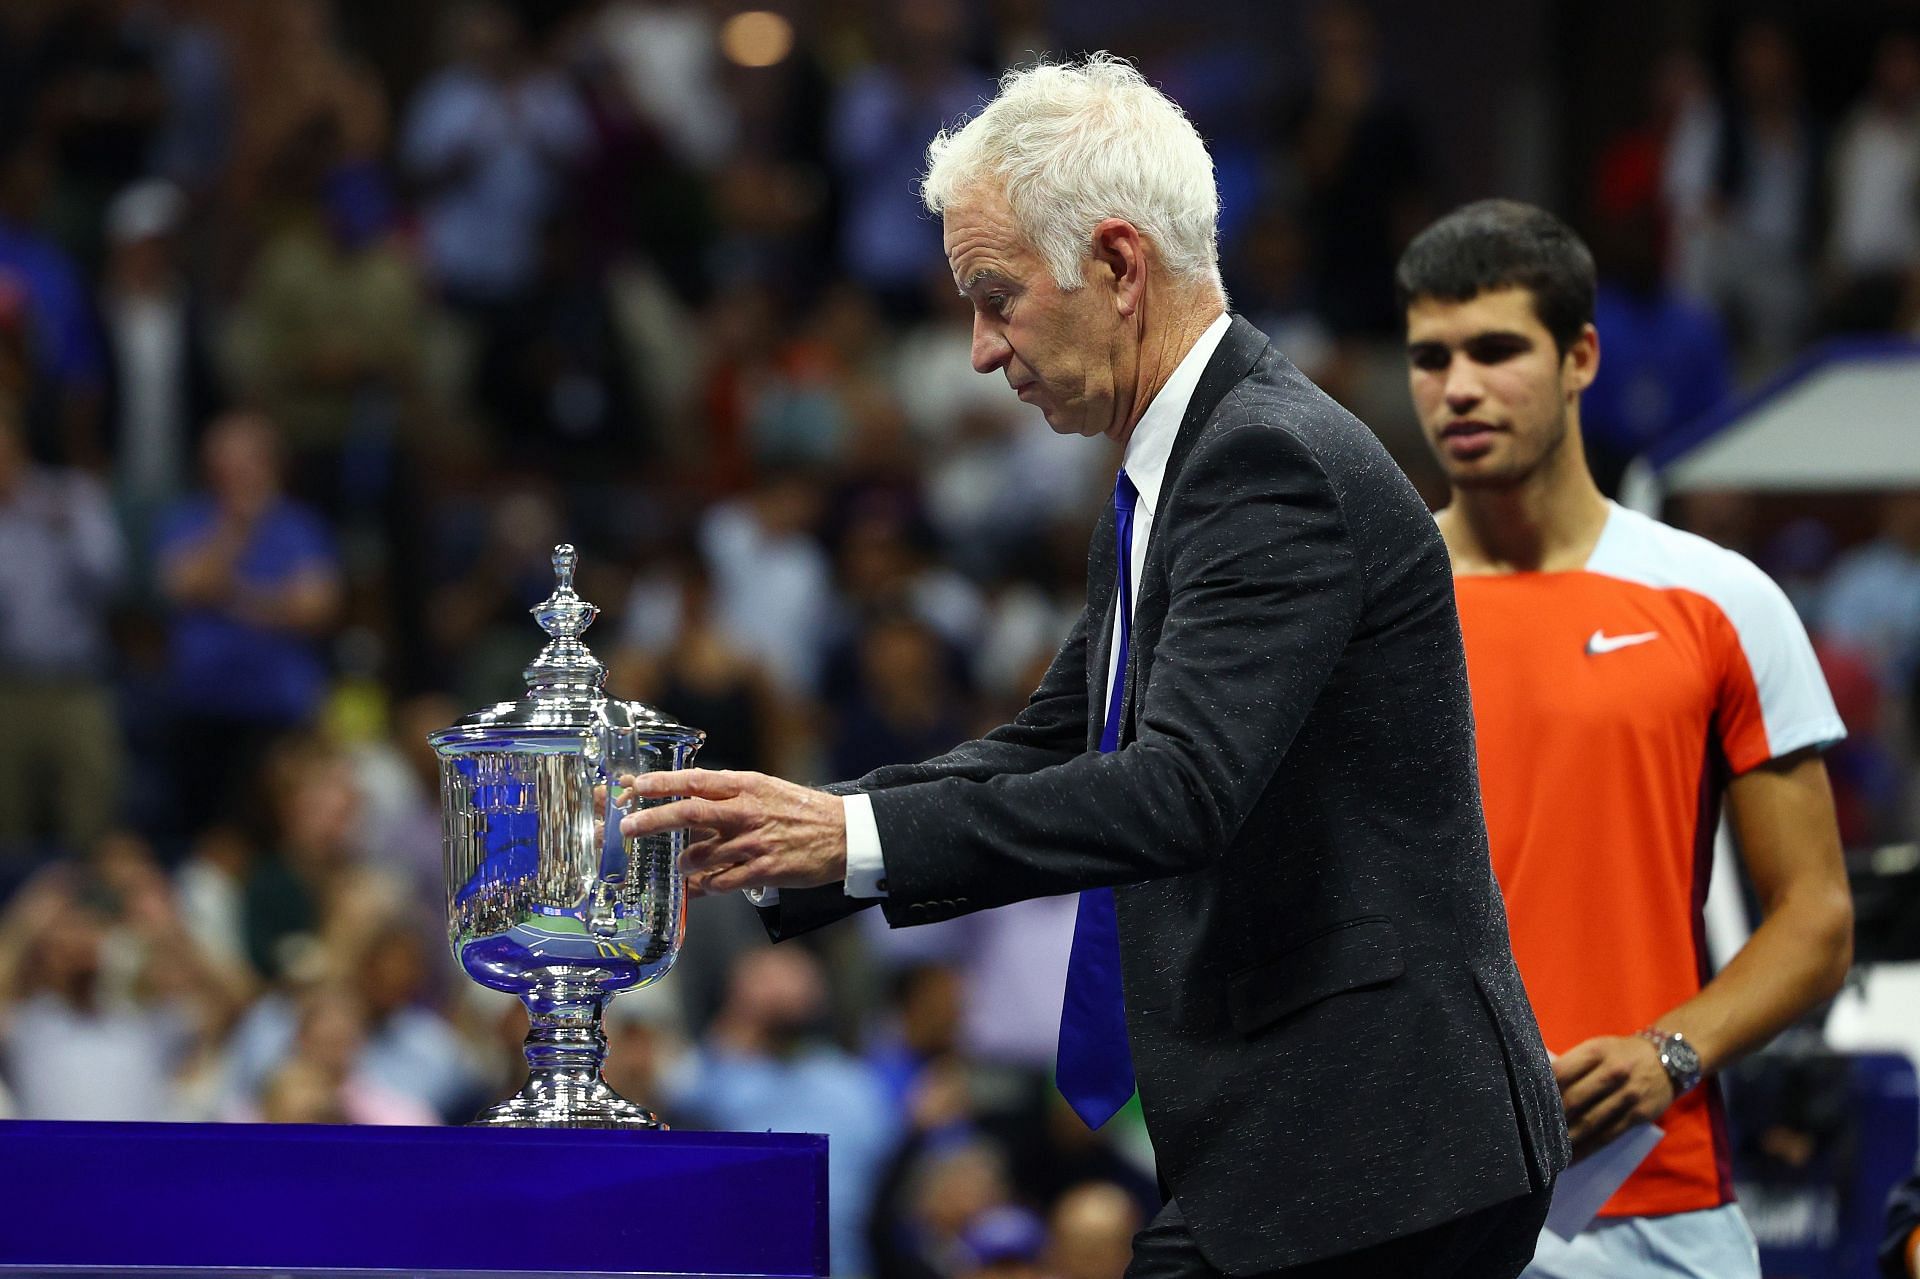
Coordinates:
(1332,1042)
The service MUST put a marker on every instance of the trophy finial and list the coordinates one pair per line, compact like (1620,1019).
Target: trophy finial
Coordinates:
(563,615)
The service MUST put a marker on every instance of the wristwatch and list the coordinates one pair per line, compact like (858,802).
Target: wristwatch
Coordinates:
(1677,1056)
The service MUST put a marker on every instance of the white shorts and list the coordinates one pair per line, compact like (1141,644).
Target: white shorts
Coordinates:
(1712,1244)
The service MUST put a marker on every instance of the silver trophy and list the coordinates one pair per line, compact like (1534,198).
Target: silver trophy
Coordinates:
(545,899)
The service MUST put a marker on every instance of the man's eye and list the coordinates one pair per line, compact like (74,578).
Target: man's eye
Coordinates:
(1497,350)
(997,303)
(1430,359)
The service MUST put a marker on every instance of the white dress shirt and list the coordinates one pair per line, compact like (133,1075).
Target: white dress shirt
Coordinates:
(1145,463)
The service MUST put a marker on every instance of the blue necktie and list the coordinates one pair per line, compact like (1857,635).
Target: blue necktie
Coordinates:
(1095,1067)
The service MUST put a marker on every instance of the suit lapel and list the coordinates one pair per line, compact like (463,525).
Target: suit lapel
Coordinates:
(1239,351)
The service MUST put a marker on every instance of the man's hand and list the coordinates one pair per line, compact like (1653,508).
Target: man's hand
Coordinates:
(750,830)
(1607,1085)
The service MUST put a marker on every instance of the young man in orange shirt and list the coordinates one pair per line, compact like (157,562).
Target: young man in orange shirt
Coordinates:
(1627,679)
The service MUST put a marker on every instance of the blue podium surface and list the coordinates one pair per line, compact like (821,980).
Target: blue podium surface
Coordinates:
(165,1199)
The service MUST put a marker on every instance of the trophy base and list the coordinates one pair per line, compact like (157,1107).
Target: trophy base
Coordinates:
(596,1107)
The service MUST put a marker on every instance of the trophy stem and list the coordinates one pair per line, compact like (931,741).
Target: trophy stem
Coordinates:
(565,1050)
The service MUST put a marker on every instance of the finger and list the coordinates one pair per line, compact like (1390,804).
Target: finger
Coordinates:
(752,874)
(680,814)
(1575,1063)
(705,783)
(1593,1089)
(708,854)
(1603,1123)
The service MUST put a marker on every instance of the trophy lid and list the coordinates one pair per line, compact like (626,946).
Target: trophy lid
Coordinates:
(566,686)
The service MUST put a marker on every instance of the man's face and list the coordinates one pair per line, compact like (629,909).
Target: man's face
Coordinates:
(1058,350)
(1492,390)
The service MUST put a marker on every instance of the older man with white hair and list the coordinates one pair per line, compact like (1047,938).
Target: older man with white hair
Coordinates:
(1253,757)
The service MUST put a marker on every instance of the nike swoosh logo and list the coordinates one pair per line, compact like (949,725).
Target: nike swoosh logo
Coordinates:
(1601,642)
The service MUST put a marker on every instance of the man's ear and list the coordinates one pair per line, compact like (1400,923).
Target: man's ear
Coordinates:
(1120,260)
(1582,361)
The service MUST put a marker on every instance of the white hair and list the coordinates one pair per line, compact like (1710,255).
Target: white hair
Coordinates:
(1071,145)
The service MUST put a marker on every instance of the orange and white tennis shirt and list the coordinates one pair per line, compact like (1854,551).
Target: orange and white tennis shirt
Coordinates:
(1611,706)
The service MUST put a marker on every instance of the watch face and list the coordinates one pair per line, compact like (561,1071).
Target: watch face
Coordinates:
(1683,1063)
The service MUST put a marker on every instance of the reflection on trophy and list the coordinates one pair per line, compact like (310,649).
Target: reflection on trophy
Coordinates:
(545,899)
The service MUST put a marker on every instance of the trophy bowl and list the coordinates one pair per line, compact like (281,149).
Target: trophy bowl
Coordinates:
(546,899)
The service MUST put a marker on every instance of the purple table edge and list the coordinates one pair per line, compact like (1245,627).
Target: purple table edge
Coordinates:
(127,1198)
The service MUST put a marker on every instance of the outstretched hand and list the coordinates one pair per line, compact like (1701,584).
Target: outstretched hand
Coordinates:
(748,830)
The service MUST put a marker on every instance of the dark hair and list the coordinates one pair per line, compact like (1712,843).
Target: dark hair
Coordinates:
(1501,244)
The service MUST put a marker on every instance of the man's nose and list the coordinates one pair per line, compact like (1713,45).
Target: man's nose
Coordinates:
(990,348)
(1464,389)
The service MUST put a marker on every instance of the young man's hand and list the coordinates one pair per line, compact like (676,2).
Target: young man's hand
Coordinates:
(1607,1085)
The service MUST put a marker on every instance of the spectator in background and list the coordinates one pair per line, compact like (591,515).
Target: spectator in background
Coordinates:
(941,1182)
(1667,359)
(490,141)
(104,1000)
(922,1031)
(674,653)
(298,79)
(67,370)
(101,102)
(327,332)
(411,1049)
(645,1041)
(1874,241)
(60,560)
(1872,604)
(211,887)
(398,780)
(762,1066)
(1359,156)
(771,580)
(299,894)
(668,52)
(193,141)
(902,702)
(325,1078)
(1001,1243)
(1686,119)
(254,586)
(1767,174)
(565,394)
(1090,1232)
(162,388)
(1272,288)
(638,195)
(501,566)
(882,116)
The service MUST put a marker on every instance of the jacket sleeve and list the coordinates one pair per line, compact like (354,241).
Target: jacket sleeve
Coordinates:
(1264,591)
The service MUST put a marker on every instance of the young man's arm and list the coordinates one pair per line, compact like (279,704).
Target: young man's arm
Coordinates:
(1783,819)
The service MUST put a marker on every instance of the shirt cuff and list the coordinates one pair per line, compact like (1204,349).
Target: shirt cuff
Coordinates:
(866,867)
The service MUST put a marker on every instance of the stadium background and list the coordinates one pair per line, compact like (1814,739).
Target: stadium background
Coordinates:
(380,301)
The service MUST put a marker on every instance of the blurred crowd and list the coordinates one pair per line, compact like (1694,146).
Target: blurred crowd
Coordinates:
(320,327)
